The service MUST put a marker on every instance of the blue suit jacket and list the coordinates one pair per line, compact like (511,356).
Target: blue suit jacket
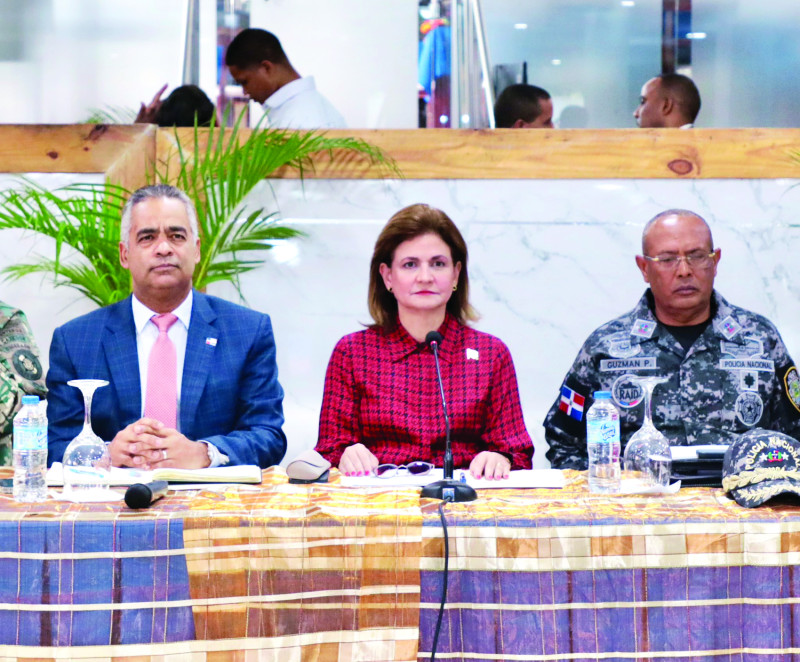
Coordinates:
(230,395)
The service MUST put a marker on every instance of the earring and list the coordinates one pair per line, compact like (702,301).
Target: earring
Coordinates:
(455,287)
(388,289)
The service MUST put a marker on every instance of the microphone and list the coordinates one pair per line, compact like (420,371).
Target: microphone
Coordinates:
(143,495)
(433,340)
(447,489)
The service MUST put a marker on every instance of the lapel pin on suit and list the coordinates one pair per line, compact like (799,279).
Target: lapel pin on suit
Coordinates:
(211,341)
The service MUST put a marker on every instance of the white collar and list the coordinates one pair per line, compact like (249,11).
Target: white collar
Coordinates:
(142,314)
(291,89)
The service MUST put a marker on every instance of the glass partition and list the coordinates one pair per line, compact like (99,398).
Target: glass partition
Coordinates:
(62,59)
(593,56)
(747,62)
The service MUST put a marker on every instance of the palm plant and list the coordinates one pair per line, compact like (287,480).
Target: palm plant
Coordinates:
(81,217)
(217,170)
(111,115)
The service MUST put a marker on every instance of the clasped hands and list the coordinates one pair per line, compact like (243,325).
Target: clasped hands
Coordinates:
(149,444)
(358,460)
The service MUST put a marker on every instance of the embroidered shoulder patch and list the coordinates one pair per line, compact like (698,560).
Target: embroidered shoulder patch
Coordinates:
(27,364)
(791,380)
(571,403)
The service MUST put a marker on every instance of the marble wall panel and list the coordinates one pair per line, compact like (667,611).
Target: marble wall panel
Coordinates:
(549,262)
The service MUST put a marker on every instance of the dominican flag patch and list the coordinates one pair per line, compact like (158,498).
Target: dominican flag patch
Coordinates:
(571,403)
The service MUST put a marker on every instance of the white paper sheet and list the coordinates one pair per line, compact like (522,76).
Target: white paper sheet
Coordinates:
(633,486)
(89,496)
(122,476)
(548,478)
(690,452)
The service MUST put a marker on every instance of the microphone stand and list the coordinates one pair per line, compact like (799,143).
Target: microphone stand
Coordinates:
(447,489)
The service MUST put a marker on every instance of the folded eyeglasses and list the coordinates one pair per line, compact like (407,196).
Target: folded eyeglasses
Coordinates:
(413,468)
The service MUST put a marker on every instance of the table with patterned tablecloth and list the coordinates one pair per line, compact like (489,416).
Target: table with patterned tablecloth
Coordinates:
(322,572)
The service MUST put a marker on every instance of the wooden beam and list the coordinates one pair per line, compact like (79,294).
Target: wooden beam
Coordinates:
(579,154)
(133,167)
(79,148)
(444,153)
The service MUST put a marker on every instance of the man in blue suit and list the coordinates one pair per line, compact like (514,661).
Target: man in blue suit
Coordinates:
(215,358)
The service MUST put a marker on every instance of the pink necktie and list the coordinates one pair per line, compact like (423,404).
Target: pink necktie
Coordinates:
(161,400)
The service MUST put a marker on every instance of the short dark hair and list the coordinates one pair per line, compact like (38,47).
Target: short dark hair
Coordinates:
(518,102)
(685,93)
(183,105)
(409,223)
(252,46)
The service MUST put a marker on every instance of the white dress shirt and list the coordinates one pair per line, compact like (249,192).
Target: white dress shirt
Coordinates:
(298,105)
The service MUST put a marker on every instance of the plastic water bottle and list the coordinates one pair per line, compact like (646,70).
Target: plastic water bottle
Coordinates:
(602,437)
(30,451)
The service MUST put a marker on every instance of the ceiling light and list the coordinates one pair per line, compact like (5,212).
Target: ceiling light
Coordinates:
(628,3)
(696,35)
(555,62)
(520,26)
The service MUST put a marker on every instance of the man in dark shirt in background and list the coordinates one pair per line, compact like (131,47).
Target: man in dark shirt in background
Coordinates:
(523,107)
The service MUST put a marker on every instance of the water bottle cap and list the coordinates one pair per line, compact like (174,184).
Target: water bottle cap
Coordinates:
(602,395)
(30,400)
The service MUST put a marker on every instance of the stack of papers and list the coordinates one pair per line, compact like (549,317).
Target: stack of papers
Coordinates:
(245,473)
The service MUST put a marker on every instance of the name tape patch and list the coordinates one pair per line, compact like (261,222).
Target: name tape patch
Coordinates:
(638,363)
(763,365)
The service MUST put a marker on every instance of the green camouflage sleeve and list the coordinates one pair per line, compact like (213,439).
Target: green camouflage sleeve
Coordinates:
(20,371)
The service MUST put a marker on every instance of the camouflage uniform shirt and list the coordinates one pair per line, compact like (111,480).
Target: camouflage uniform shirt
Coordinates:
(20,372)
(737,375)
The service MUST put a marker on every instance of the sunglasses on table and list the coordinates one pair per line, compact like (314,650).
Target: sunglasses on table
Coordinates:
(412,468)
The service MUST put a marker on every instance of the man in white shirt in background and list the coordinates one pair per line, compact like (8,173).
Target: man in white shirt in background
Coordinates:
(258,63)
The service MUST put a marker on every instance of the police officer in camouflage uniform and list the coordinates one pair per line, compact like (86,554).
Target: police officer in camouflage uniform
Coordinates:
(728,368)
(20,372)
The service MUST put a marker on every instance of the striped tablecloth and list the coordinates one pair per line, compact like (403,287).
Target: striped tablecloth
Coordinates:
(323,573)
(94,576)
(547,575)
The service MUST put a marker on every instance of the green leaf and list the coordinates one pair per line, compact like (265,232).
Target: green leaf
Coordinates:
(217,174)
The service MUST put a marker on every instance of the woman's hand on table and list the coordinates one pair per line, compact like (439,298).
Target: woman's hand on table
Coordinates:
(490,465)
(357,460)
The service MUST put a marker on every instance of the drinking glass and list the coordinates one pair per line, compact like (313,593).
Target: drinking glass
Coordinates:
(647,455)
(86,462)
